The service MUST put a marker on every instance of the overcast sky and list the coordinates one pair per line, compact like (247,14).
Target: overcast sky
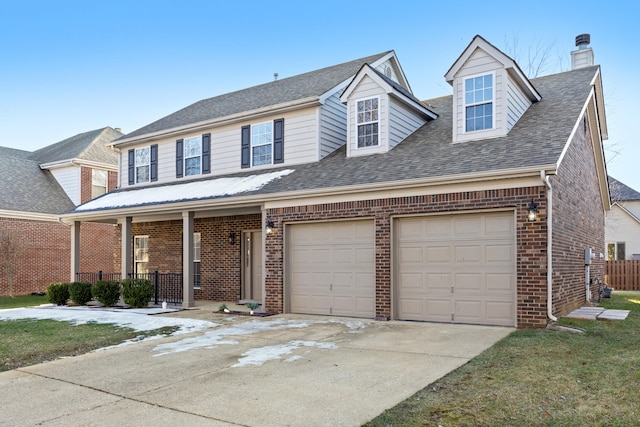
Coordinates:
(68,67)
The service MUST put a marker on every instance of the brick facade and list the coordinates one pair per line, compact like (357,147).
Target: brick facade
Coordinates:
(86,183)
(45,253)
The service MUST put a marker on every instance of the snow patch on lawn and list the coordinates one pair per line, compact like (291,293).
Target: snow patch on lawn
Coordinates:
(260,355)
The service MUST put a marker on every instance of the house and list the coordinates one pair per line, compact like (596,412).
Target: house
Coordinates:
(36,187)
(622,232)
(339,192)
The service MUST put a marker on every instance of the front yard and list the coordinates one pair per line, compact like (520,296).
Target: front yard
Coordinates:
(540,378)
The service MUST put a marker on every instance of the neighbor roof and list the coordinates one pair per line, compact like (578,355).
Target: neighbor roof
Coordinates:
(621,192)
(536,140)
(89,146)
(314,83)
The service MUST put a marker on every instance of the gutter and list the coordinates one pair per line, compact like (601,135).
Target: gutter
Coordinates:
(545,179)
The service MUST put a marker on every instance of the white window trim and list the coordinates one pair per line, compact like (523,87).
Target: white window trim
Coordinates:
(136,166)
(356,124)
(197,258)
(251,146)
(184,154)
(136,260)
(615,249)
(106,182)
(464,103)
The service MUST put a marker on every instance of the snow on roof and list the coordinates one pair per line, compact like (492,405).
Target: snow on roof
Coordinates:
(194,190)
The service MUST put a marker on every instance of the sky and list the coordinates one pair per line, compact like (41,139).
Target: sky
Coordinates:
(67,67)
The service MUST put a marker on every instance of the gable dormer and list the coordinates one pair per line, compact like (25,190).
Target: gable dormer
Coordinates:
(381,111)
(490,92)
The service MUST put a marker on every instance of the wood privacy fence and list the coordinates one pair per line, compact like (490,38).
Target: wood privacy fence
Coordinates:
(623,275)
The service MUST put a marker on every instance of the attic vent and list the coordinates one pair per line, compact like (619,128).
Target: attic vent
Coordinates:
(387,72)
(583,40)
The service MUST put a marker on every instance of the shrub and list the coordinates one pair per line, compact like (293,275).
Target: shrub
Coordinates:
(137,292)
(80,292)
(106,292)
(58,293)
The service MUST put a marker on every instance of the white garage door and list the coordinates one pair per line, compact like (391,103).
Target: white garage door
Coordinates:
(331,268)
(457,268)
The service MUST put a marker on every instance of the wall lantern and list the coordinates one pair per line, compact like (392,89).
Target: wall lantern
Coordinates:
(232,238)
(270,227)
(532,212)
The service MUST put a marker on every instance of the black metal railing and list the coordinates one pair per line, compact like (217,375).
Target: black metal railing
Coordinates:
(94,277)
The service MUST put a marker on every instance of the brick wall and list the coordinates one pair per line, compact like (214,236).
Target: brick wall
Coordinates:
(45,253)
(531,241)
(86,183)
(578,223)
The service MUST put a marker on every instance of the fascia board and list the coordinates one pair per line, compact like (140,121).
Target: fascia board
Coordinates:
(32,216)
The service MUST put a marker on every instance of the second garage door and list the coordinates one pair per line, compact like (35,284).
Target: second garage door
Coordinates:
(331,268)
(457,268)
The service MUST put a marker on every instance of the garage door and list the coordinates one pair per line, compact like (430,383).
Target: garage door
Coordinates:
(330,268)
(457,268)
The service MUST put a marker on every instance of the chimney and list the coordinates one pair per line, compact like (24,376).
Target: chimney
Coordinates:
(583,56)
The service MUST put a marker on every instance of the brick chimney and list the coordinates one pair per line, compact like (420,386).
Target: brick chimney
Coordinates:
(583,56)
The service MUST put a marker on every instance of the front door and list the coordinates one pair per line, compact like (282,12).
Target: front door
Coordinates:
(252,262)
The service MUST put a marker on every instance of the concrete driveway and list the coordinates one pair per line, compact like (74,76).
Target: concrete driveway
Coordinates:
(285,370)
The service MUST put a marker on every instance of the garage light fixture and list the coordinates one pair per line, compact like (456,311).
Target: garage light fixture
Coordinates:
(270,227)
(532,212)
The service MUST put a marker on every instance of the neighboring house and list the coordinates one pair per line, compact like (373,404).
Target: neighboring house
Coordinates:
(622,233)
(35,188)
(338,192)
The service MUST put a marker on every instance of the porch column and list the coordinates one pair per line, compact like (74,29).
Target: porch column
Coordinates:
(125,248)
(187,260)
(75,250)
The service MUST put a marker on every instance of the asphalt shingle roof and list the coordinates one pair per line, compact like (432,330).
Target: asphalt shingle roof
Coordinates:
(313,83)
(89,146)
(621,192)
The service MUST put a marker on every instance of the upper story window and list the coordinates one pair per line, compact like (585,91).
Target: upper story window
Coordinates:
(367,120)
(99,180)
(478,101)
(143,164)
(192,155)
(262,144)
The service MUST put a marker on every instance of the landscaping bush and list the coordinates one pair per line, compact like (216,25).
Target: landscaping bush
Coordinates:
(80,292)
(106,292)
(58,293)
(137,292)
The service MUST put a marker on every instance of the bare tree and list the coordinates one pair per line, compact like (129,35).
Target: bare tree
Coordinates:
(10,249)
(537,58)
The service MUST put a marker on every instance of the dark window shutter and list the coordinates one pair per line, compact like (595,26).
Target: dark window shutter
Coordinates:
(154,162)
(179,158)
(278,141)
(245,150)
(132,167)
(206,153)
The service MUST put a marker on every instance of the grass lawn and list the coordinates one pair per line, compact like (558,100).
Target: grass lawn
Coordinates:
(540,378)
(27,342)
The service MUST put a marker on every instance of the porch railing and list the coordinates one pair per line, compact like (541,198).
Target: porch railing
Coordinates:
(167,287)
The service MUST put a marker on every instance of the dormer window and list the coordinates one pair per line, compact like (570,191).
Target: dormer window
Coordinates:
(367,120)
(478,100)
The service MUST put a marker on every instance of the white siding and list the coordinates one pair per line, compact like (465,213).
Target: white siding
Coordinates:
(517,103)
(301,132)
(402,122)
(387,65)
(368,88)
(333,125)
(620,227)
(69,180)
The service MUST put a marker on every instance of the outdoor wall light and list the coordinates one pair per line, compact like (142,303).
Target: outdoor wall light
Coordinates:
(270,227)
(532,212)
(232,238)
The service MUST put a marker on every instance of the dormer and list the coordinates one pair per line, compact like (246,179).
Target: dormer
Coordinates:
(381,111)
(490,92)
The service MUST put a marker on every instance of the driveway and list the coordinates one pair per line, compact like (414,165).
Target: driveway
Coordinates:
(285,370)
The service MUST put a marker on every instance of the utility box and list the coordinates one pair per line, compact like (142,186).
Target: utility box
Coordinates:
(588,256)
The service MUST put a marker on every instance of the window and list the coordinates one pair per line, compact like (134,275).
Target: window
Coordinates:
(98,182)
(367,120)
(478,100)
(143,164)
(616,251)
(261,144)
(141,254)
(192,155)
(196,260)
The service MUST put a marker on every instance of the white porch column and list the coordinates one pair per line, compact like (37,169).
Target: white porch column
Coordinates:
(125,247)
(75,250)
(187,260)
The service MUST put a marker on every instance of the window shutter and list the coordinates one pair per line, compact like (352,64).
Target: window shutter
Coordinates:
(179,158)
(278,141)
(206,153)
(132,167)
(154,162)
(245,150)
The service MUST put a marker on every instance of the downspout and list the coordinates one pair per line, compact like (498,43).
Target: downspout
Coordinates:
(545,179)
